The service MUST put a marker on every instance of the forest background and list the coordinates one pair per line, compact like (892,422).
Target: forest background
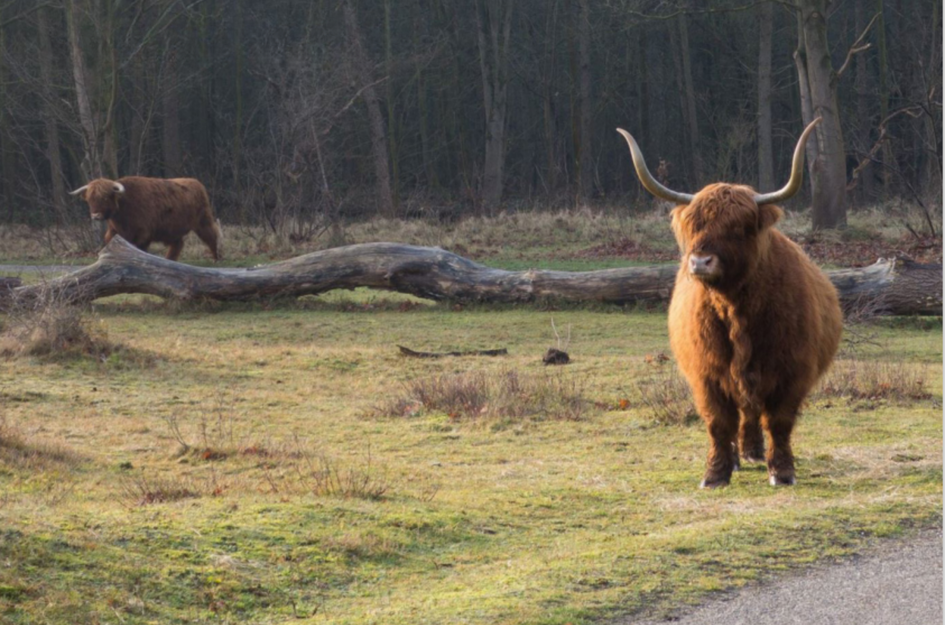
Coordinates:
(299,113)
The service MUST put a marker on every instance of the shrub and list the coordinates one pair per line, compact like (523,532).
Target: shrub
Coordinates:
(48,326)
(871,379)
(665,395)
(503,395)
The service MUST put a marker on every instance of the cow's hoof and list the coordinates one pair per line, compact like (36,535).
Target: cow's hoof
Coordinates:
(708,483)
(781,480)
(754,456)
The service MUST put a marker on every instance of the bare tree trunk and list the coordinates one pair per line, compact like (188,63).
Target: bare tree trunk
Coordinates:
(689,102)
(92,160)
(392,126)
(385,200)
(828,170)
(585,156)
(886,287)
(547,98)
(237,157)
(807,107)
(7,173)
(493,28)
(864,100)
(50,126)
(765,143)
(881,55)
(170,104)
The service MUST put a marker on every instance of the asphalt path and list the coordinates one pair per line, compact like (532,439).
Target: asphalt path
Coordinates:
(18,270)
(897,583)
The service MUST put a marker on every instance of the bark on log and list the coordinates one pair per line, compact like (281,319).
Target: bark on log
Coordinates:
(899,287)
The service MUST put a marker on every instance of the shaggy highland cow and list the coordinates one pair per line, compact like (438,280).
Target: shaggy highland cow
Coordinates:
(145,210)
(752,321)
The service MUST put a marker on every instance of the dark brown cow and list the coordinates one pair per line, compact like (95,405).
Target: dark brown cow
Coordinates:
(145,210)
(752,321)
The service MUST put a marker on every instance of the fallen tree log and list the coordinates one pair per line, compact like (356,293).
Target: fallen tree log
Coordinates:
(890,286)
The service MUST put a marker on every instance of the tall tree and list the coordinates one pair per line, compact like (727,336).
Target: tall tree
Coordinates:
(362,68)
(818,87)
(765,144)
(585,107)
(50,121)
(493,33)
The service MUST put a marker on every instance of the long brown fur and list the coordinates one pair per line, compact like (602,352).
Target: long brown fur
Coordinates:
(155,210)
(753,341)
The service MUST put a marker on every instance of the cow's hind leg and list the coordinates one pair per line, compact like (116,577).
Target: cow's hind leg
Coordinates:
(174,249)
(721,416)
(751,442)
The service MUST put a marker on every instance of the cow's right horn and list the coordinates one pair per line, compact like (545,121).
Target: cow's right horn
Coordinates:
(650,183)
(119,188)
(797,171)
(79,190)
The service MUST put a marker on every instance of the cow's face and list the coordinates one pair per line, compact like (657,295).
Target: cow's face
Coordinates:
(102,196)
(722,233)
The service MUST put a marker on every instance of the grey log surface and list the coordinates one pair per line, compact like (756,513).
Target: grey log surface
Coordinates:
(888,286)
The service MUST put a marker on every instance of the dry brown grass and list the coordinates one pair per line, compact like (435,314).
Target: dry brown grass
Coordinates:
(482,395)
(48,326)
(20,450)
(876,379)
(141,489)
(665,395)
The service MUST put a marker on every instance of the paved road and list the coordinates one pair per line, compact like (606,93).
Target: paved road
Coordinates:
(898,583)
(17,270)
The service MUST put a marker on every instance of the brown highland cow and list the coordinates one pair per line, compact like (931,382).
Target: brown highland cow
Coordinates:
(145,210)
(752,321)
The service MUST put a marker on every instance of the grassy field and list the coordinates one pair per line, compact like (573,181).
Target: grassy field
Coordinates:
(282,462)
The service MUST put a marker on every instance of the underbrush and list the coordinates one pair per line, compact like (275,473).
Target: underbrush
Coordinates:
(874,380)
(613,231)
(491,396)
(51,329)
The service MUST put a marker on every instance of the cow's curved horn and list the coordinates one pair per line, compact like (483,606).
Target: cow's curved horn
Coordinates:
(119,188)
(797,172)
(646,178)
(79,190)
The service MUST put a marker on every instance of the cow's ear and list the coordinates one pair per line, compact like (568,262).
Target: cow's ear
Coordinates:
(768,215)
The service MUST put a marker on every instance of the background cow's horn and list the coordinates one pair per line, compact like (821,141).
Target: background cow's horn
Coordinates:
(79,190)
(649,182)
(119,188)
(797,172)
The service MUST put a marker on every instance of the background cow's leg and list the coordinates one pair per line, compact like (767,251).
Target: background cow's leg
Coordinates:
(721,416)
(174,249)
(779,419)
(210,236)
(109,234)
(751,442)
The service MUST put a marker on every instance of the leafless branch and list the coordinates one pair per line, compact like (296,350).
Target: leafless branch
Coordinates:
(911,111)
(856,48)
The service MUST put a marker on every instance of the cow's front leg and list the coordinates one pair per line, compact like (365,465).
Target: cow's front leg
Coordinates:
(109,234)
(721,416)
(174,249)
(779,419)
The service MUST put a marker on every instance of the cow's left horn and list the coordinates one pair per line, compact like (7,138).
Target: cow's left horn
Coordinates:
(79,190)
(119,188)
(650,183)
(797,171)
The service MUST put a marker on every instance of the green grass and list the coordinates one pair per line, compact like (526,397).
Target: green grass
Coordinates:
(519,520)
